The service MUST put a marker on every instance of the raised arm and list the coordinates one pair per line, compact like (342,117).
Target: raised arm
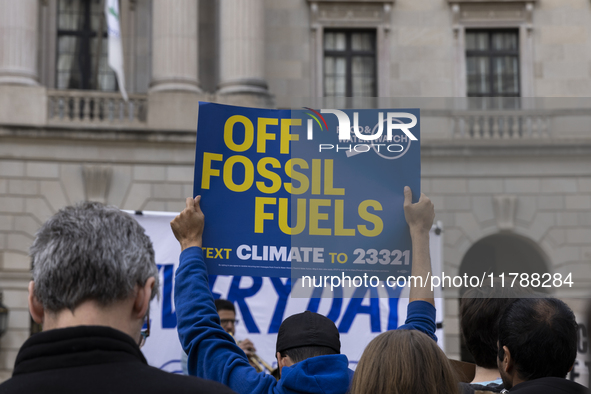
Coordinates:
(420,314)
(188,225)
(420,217)
(212,353)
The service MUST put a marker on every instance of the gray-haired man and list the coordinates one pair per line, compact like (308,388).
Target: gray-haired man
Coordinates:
(93,278)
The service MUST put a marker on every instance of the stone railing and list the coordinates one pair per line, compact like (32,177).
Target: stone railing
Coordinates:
(501,124)
(91,108)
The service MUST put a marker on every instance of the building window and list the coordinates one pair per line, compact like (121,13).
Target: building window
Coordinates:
(492,63)
(350,63)
(82,47)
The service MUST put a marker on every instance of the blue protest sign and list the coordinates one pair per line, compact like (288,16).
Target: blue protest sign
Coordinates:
(310,190)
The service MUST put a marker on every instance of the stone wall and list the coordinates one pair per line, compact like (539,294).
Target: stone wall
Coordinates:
(38,176)
(423,37)
(562,35)
(553,209)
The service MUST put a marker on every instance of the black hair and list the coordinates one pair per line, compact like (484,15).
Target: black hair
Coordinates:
(302,353)
(541,335)
(481,309)
(224,305)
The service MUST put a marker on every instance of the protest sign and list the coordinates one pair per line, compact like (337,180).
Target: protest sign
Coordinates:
(306,191)
(263,303)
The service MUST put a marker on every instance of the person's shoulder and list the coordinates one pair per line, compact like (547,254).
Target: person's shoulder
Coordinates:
(181,384)
(549,385)
(10,386)
(320,374)
(490,387)
(124,378)
(199,385)
(336,360)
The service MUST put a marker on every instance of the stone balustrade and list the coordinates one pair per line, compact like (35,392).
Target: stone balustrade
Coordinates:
(498,125)
(90,108)
(537,125)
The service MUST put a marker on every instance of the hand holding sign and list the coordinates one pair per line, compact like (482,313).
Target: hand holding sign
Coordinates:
(188,225)
(419,216)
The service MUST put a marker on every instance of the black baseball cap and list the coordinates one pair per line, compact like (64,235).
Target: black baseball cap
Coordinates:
(308,329)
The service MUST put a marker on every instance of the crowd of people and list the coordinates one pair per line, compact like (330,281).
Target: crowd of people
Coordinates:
(94,276)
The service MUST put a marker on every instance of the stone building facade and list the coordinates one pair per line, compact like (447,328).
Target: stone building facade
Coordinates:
(511,180)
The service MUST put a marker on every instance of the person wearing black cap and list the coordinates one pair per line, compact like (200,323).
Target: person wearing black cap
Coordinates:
(308,344)
(306,335)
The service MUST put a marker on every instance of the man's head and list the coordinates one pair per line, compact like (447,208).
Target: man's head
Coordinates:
(92,255)
(306,335)
(227,314)
(481,309)
(537,338)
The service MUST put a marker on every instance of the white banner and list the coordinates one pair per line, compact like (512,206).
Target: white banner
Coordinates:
(263,303)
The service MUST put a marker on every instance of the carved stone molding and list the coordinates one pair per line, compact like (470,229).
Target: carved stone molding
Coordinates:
(97,181)
(504,206)
(506,11)
(347,13)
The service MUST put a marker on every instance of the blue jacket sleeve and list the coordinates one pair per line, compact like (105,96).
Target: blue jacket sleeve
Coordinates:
(420,315)
(212,353)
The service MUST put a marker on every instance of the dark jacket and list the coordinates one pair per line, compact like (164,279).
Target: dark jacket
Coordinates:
(213,354)
(94,359)
(549,386)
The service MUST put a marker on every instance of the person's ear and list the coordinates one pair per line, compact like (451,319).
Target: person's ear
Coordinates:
(278,357)
(142,298)
(280,363)
(283,361)
(35,307)
(507,360)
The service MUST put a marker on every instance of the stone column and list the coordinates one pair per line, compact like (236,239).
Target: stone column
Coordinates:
(18,42)
(174,46)
(173,97)
(242,41)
